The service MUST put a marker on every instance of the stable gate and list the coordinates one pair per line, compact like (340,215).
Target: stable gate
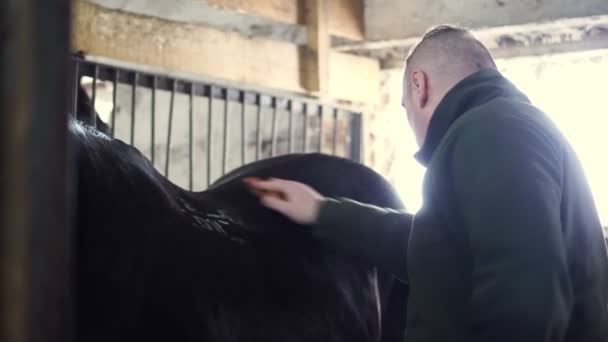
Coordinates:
(195,131)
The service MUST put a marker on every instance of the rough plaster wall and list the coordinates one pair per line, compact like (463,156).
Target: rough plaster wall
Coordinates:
(179,152)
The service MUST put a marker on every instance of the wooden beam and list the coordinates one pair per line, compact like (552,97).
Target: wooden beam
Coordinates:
(550,49)
(560,36)
(346,19)
(273,19)
(280,10)
(35,236)
(211,53)
(316,51)
(347,15)
(396,60)
(397,19)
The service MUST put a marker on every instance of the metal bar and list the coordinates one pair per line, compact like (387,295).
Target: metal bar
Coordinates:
(275,120)
(225,137)
(133,99)
(114,92)
(292,133)
(165,82)
(356,131)
(153,121)
(258,140)
(243,129)
(76,85)
(169,129)
(209,134)
(321,110)
(50,178)
(191,138)
(305,113)
(335,134)
(36,233)
(92,113)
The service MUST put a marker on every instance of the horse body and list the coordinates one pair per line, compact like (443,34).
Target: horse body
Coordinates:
(157,262)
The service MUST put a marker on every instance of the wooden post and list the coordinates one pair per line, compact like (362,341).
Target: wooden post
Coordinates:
(35,235)
(317,49)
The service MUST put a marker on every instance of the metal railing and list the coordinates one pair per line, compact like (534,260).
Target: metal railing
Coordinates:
(235,126)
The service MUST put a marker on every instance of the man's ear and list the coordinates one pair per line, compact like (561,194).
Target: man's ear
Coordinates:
(419,83)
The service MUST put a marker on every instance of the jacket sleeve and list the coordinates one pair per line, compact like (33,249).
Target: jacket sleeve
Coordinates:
(508,196)
(376,235)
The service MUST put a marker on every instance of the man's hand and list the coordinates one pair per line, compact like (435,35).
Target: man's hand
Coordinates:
(297,201)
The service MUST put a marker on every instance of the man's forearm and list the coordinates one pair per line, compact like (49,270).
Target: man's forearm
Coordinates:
(377,235)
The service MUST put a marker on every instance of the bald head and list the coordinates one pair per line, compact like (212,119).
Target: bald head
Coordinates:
(449,54)
(445,56)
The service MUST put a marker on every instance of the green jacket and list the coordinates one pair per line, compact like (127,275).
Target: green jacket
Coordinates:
(508,245)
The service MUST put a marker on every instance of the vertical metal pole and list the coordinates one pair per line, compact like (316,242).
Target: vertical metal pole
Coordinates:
(153,120)
(305,113)
(50,177)
(114,93)
(275,119)
(243,96)
(335,134)
(225,137)
(75,85)
(191,138)
(169,129)
(92,112)
(258,139)
(292,128)
(133,99)
(321,110)
(209,134)
(356,132)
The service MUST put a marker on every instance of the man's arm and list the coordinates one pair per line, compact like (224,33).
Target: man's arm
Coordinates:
(506,177)
(376,235)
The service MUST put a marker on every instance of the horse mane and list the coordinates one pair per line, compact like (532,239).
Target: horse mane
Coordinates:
(84,109)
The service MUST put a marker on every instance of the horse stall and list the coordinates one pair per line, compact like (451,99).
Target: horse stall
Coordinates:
(191,128)
(194,131)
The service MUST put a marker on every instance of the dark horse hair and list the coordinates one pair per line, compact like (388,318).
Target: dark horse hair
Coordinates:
(84,110)
(155,262)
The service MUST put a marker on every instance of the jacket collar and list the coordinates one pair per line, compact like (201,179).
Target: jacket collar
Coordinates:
(471,92)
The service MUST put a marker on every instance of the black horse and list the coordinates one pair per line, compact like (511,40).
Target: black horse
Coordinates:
(155,262)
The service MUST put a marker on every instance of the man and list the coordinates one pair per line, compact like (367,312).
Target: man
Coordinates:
(508,245)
